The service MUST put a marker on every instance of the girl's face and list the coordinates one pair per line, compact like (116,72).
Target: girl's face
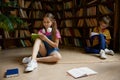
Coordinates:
(47,22)
(103,25)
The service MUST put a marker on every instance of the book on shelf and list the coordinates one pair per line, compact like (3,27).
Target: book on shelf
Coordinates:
(104,9)
(12,72)
(80,23)
(81,72)
(79,13)
(91,2)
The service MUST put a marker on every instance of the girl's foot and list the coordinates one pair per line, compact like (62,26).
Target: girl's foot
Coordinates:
(26,60)
(31,66)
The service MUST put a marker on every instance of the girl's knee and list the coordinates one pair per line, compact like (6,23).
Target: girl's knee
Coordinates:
(38,40)
(57,57)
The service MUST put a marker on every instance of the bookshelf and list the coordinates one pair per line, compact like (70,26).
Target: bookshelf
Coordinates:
(75,18)
(71,34)
(20,36)
(99,8)
(81,16)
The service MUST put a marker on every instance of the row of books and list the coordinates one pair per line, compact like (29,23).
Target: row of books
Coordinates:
(79,13)
(91,22)
(37,5)
(72,42)
(7,34)
(38,24)
(80,23)
(29,4)
(68,5)
(104,9)
(67,23)
(24,33)
(91,11)
(68,14)
(26,43)
(70,32)
(17,34)
(31,14)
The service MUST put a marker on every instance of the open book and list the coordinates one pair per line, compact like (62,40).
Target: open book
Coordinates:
(81,72)
(93,34)
(34,36)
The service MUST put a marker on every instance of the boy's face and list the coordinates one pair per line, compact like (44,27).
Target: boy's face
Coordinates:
(47,22)
(103,25)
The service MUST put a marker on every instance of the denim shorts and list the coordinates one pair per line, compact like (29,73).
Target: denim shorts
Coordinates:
(48,52)
(49,48)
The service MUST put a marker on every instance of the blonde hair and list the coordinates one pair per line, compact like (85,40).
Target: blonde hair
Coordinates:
(54,25)
(105,19)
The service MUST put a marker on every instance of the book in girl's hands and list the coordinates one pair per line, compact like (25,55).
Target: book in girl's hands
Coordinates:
(34,36)
(11,72)
(81,72)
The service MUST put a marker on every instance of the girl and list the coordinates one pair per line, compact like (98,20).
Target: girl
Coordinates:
(100,38)
(46,44)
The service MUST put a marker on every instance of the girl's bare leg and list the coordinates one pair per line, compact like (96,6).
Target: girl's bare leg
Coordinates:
(54,57)
(38,46)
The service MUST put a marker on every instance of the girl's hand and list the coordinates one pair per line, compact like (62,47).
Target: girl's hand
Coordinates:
(42,36)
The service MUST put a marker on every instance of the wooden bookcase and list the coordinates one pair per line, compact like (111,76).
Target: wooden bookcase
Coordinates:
(81,16)
(20,37)
(75,18)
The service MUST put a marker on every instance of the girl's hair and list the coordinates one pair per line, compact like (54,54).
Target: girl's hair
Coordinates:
(54,25)
(105,19)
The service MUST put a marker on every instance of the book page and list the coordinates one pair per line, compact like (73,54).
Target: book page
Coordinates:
(87,71)
(76,73)
(94,33)
(81,72)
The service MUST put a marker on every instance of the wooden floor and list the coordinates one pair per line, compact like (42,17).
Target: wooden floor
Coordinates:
(108,69)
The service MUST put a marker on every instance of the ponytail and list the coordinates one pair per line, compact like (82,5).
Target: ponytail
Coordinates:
(54,29)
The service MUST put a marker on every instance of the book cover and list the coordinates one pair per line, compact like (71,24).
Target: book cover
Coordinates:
(11,72)
(81,72)
(34,36)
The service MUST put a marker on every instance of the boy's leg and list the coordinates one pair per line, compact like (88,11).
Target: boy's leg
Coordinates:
(102,41)
(102,46)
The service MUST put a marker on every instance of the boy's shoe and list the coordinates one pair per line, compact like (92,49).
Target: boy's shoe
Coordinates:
(26,60)
(31,66)
(111,52)
(102,54)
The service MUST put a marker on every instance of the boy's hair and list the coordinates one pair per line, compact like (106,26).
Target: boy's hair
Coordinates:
(105,19)
(54,24)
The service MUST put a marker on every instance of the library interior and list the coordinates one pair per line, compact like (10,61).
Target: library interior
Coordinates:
(65,34)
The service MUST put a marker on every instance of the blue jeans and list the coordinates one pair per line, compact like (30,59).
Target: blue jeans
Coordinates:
(97,48)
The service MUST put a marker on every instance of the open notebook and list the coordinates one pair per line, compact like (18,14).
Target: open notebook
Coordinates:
(81,72)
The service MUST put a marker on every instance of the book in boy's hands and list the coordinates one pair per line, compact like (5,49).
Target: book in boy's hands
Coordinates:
(93,34)
(34,36)
(81,72)
(11,72)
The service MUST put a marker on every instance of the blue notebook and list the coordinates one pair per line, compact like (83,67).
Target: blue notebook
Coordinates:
(12,72)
